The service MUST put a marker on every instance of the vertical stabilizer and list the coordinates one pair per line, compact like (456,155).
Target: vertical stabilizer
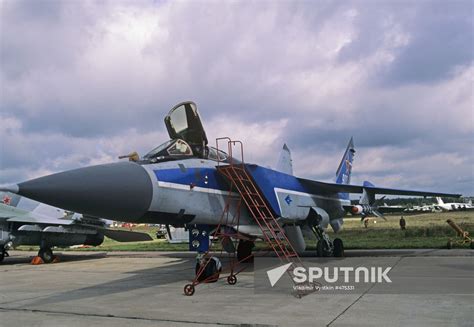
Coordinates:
(285,163)
(440,201)
(367,198)
(343,173)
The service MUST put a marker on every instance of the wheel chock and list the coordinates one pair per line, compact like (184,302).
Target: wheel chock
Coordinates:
(56,259)
(37,261)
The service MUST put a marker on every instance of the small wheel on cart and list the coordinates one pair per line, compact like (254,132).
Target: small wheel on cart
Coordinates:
(189,289)
(232,279)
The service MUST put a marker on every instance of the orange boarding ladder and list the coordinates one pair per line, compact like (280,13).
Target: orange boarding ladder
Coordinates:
(273,233)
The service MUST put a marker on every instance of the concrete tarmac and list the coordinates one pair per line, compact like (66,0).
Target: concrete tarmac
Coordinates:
(146,289)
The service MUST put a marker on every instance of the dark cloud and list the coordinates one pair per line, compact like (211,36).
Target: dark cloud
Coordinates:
(82,82)
(442,39)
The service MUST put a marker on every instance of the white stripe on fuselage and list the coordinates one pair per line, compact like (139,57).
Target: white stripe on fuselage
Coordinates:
(314,196)
(183,187)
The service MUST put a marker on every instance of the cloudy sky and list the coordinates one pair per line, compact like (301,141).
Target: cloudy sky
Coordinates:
(82,82)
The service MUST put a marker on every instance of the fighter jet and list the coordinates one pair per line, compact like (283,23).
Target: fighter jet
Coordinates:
(181,183)
(27,222)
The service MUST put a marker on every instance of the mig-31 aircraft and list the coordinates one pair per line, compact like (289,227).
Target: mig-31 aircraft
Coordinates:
(179,183)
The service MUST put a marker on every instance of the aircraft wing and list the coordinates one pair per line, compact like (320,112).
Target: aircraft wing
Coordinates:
(13,214)
(322,187)
(7,212)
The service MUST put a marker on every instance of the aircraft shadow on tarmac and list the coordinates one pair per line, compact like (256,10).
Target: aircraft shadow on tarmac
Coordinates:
(179,271)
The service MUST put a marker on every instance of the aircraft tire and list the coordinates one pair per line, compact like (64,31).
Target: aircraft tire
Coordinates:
(2,255)
(46,254)
(244,250)
(449,245)
(338,248)
(320,249)
(472,245)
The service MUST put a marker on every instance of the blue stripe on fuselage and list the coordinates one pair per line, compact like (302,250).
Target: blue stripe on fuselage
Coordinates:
(268,179)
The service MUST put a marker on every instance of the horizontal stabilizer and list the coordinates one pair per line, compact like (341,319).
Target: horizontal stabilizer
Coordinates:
(126,236)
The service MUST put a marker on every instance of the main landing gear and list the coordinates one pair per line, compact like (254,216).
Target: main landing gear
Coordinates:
(46,254)
(325,247)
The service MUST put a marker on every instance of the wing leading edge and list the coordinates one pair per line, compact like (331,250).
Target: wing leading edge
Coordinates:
(322,187)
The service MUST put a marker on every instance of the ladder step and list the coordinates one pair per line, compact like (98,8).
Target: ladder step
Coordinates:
(258,206)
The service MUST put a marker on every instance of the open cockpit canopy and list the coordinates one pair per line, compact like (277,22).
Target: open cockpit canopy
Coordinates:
(188,138)
(183,122)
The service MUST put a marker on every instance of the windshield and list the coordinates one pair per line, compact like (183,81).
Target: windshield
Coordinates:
(153,153)
(216,155)
(171,148)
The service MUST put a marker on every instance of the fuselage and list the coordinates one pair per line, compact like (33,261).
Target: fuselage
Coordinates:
(192,191)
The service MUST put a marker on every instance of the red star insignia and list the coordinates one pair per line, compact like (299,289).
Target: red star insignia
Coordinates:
(7,200)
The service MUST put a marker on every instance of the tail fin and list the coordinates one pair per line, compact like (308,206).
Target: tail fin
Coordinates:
(440,201)
(285,164)
(10,199)
(367,198)
(343,173)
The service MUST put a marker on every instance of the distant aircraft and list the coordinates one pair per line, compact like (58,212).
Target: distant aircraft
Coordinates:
(424,208)
(453,205)
(27,222)
(184,181)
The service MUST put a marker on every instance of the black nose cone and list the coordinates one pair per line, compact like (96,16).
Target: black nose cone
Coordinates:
(114,191)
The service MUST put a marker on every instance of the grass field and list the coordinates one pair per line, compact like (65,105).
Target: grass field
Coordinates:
(428,230)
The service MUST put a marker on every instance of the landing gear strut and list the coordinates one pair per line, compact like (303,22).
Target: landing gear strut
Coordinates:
(325,247)
(46,254)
